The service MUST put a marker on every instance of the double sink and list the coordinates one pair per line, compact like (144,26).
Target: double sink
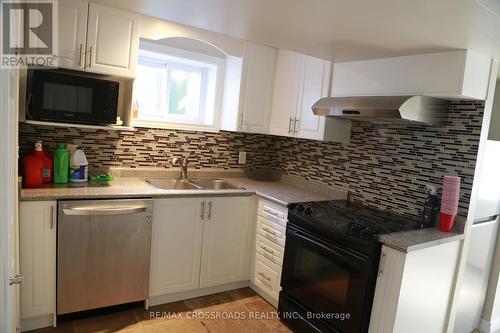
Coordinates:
(191,184)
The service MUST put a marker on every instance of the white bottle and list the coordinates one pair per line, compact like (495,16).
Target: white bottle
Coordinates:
(78,167)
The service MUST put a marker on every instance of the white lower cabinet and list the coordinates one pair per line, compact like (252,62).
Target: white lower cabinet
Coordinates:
(37,233)
(225,240)
(414,290)
(269,250)
(176,245)
(199,243)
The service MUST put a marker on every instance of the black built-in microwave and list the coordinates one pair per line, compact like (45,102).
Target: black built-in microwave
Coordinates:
(68,96)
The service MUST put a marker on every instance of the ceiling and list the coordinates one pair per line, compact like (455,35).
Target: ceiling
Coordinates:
(341,29)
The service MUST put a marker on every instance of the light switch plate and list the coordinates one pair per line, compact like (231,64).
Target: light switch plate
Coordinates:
(242,158)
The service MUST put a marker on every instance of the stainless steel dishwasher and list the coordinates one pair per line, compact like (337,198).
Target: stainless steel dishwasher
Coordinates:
(103,250)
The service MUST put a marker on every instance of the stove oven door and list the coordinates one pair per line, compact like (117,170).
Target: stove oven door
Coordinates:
(328,285)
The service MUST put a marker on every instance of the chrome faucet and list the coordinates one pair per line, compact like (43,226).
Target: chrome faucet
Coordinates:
(183,164)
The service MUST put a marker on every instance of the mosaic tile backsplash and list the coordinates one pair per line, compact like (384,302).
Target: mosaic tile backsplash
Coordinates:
(389,166)
(386,166)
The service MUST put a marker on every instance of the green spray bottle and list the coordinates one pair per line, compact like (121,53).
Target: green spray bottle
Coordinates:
(61,164)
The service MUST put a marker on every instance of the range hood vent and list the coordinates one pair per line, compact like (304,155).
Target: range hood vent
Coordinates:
(383,109)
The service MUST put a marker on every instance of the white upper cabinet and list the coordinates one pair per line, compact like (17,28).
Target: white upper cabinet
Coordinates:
(286,92)
(97,38)
(72,33)
(257,87)
(248,88)
(225,244)
(112,40)
(314,85)
(451,75)
(299,82)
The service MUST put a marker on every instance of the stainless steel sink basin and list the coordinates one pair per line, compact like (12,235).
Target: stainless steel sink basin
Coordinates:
(172,184)
(191,184)
(213,184)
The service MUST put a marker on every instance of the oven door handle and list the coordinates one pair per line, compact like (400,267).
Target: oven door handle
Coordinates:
(340,253)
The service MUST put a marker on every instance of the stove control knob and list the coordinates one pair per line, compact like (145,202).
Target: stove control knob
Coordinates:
(308,211)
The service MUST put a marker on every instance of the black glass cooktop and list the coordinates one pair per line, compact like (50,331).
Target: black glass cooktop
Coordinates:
(350,219)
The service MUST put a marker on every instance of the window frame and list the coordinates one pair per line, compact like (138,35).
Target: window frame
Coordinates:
(213,78)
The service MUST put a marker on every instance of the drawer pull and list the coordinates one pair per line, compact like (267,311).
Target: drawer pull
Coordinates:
(267,250)
(269,231)
(264,276)
(271,212)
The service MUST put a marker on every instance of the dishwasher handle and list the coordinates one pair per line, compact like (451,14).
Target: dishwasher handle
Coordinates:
(103,211)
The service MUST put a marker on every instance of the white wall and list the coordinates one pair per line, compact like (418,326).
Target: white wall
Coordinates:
(153,28)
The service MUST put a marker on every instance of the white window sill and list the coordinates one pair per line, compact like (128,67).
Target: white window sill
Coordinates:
(176,126)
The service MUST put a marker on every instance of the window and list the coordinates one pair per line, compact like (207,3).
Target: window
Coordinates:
(176,88)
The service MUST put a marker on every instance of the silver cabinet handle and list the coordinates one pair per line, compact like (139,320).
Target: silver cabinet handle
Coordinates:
(209,210)
(51,217)
(90,56)
(290,125)
(80,56)
(295,121)
(99,211)
(381,264)
(18,279)
(264,276)
(267,250)
(269,231)
(270,212)
(202,215)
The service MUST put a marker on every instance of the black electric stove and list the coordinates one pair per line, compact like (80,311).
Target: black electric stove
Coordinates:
(354,225)
(331,262)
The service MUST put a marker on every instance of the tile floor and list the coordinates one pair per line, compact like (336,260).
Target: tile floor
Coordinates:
(247,312)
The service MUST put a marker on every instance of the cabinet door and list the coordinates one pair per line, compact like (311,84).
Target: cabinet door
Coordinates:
(37,223)
(225,240)
(72,33)
(314,85)
(256,87)
(286,92)
(112,41)
(387,290)
(176,245)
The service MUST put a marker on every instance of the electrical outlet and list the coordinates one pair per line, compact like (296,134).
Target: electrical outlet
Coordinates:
(242,158)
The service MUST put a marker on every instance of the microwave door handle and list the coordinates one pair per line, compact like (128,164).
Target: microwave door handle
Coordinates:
(330,250)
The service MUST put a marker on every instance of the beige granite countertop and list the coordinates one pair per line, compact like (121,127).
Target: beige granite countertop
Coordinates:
(280,192)
(413,240)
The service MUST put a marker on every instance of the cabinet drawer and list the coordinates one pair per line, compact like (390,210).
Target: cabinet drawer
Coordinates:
(269,250)
(271,231)
(272,212)
(266,277)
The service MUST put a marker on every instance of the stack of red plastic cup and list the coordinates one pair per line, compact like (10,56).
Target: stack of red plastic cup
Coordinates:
(449,202)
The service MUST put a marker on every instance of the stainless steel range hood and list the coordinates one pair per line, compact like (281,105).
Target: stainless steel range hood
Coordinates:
(383,109)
